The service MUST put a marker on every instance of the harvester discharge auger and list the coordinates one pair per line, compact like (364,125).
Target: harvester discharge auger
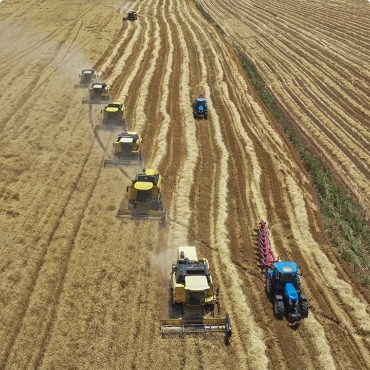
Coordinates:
(193,292)
(283,285)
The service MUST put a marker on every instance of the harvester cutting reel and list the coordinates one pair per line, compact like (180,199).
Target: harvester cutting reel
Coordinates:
(182,327)
(161,216)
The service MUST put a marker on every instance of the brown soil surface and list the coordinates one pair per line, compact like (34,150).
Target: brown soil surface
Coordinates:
(80,289)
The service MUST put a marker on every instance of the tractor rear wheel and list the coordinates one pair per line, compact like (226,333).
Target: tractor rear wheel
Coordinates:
(304,308)
(279,309)
(268,286)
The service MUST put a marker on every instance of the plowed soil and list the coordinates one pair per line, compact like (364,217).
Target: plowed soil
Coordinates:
(80,289)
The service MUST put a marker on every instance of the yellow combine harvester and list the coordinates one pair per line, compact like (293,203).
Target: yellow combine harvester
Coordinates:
(87,76)
(145,197)
(113,114)
(99,93)
(131,15)
(127,150)
(193,291)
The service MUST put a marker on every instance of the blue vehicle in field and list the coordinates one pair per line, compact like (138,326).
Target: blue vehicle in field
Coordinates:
(200,108)
(284,289)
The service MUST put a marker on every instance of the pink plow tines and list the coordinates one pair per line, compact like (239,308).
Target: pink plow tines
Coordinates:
(267,255)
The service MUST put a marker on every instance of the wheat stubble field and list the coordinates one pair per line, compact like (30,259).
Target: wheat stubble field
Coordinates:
(80,289)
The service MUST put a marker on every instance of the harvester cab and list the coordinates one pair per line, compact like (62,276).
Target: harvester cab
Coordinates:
(193,290)
(113,114)
(99,93)
(200,108)
(145,197)
(127,150)
(131,15)
(87,76)
(284,290)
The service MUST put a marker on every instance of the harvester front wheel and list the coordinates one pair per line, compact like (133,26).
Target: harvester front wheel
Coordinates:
(279,309)
(228,331)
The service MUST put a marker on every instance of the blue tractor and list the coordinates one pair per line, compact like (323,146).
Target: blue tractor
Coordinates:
(284,289)
(200,108)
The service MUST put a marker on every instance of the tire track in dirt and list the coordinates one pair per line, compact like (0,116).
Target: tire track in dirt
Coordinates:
(30,75)
(112,293)
(14,344)
(11,343)
(130,361)
(160,130)
(132,73)
(271,216)
(318,266)
(238,308)
(91,124)
(333,60)
(229,74)
(226,95)
(178,233)
(142,75)
(120,64)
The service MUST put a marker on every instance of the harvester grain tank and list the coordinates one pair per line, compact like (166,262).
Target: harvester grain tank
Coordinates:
(193,290)
(113,115)
(87,76)
(127,150)
(98,92)
(145,197)
(131,15)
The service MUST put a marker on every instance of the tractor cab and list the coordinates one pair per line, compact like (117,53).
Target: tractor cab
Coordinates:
(200,108)
(286,272)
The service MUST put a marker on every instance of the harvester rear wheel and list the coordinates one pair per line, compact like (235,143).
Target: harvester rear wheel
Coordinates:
(279,309)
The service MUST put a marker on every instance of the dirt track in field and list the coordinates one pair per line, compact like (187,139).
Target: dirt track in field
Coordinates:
(80,289)
(315,58)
